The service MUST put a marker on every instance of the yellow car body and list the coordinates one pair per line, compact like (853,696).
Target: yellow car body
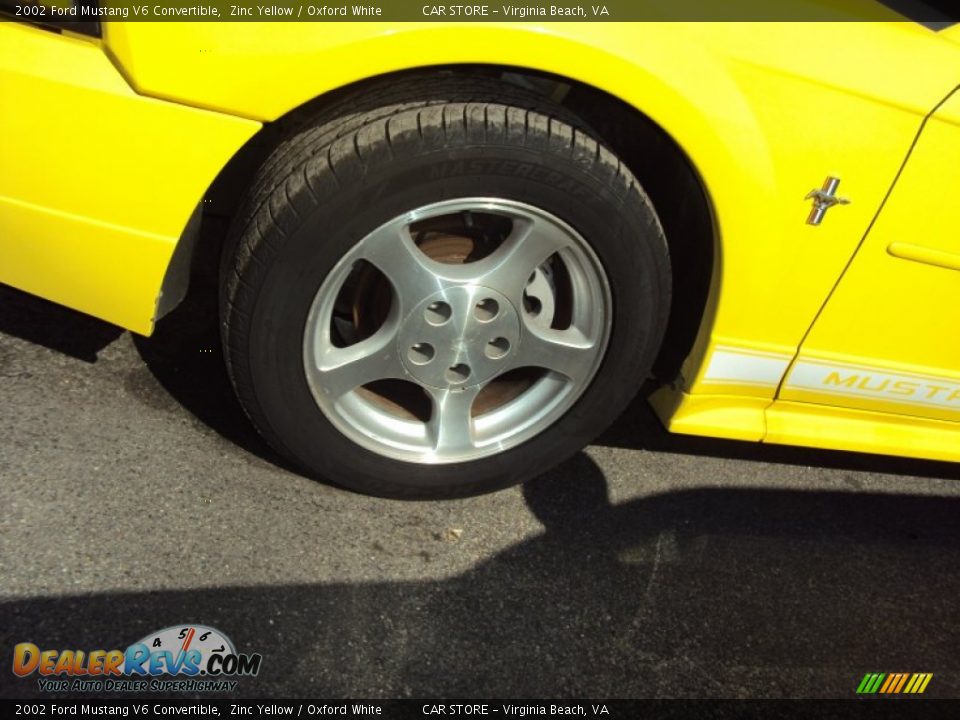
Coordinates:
(837,335)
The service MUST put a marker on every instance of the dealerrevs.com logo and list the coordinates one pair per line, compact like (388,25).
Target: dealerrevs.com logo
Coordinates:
(187,658)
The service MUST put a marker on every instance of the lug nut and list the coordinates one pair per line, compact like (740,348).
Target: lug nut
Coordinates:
(458,373)
(486,310)
(497,348)
(421,353)
(438,313)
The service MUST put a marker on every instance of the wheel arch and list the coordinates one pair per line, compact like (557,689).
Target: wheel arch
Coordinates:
(664,169)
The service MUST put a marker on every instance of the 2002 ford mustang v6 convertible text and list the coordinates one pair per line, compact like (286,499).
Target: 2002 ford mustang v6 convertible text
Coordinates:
(457,251)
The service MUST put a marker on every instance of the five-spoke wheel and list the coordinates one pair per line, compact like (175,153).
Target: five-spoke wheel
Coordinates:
(496,319)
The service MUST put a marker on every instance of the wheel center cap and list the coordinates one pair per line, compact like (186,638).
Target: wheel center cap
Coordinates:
(459,337)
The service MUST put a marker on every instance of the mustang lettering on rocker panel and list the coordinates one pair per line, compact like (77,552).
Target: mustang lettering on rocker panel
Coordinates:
(836,378)
(747,368)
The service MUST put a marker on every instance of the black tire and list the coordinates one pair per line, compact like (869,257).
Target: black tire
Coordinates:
(369,159)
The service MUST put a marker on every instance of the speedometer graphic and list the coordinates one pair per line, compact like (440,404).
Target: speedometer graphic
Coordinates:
(198,643)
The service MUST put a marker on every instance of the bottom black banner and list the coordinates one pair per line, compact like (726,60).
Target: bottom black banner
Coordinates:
(509,709)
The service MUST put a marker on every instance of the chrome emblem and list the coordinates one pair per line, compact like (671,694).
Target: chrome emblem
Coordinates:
(824,199)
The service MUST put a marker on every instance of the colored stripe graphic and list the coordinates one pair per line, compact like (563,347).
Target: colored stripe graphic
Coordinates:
(870,683)
(919,683)
(894,683)
(891,679)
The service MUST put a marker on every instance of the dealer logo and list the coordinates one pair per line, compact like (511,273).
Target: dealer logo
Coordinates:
(187,652)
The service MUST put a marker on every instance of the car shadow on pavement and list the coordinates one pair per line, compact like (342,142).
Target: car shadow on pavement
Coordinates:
(704,592)
(53,326)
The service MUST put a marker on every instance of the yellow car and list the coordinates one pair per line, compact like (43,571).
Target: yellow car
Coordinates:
(457,250)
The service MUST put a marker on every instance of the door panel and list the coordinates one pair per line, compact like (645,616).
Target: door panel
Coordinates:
(888,339)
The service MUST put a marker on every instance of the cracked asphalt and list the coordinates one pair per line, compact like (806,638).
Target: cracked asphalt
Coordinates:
(135,496)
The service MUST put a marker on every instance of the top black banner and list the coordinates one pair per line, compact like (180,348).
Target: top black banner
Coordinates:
(934,13)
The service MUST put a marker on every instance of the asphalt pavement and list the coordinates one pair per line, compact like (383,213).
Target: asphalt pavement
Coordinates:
(136,496)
